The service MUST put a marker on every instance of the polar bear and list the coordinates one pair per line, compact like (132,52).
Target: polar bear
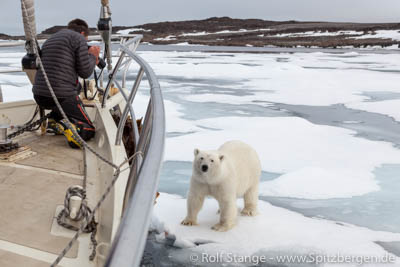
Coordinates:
(232,171)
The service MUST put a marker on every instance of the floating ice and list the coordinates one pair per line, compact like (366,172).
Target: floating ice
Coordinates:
(319,183)
(273,230)
(318,79)
(15,87)
(387,107)
(319,161)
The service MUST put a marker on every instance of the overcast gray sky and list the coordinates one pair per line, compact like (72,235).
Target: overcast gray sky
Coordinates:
(133,12)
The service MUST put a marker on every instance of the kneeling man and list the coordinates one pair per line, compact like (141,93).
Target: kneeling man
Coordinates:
(65,56)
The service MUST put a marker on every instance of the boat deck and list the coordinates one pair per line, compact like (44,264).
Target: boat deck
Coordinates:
(9,259)
(31,190)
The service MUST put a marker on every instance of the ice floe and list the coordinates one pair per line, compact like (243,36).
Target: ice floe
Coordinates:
(318,161)
(274,232)
(318,79)
(15,87)
(387,107)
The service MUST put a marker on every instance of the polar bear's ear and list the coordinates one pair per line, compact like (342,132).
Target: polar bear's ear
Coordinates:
(196,151)
(221,157)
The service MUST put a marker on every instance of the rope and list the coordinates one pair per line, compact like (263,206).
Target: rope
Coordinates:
(78,192)
(84,183)
(90,218)
(86,146)
(27,16)
(84,213)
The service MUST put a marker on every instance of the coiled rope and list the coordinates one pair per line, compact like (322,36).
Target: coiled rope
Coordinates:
(83,213)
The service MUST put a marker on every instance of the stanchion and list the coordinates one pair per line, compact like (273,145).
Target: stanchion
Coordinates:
(1,95)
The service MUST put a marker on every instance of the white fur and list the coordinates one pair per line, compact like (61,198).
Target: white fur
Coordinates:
(233,171)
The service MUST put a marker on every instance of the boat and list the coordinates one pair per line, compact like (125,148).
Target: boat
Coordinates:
(81,207)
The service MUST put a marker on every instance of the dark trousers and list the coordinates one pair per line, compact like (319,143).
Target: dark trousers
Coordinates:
(74,110)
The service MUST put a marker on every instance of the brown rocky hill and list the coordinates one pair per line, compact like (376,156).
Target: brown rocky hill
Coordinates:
(256,32)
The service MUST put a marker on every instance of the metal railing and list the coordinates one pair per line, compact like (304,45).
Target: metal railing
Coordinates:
(130,239)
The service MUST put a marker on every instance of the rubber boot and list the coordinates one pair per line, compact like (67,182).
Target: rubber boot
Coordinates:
(71,138)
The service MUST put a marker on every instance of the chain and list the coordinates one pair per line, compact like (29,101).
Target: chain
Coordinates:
(29,127)
(8,147)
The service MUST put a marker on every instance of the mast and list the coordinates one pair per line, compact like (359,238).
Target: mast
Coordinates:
(29,24)
(29,64)
(105,28)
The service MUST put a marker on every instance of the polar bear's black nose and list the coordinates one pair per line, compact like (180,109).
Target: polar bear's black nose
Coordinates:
(204,168)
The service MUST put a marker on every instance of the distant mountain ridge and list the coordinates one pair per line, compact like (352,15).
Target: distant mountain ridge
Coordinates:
(256,32)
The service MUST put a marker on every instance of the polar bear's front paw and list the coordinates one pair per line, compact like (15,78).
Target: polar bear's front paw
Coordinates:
(188,222)
(249,212)
(222,227)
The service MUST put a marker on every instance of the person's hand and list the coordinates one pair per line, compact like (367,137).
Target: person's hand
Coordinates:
(95,50)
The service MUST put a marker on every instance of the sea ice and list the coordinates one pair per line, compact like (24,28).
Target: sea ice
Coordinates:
(318,79)
(387,107)
(274,230)
(318,161)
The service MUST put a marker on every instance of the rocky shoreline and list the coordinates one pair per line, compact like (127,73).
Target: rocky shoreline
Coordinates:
(226,31)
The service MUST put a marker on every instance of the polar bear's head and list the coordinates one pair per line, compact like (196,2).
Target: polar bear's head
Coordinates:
(207,166)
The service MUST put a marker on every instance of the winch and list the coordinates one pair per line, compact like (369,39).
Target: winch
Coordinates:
(6,145)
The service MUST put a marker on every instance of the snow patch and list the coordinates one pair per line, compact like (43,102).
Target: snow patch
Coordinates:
(316,34)
(168,38)
(127,31)
(195,34)
(187,44)
(389,34)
